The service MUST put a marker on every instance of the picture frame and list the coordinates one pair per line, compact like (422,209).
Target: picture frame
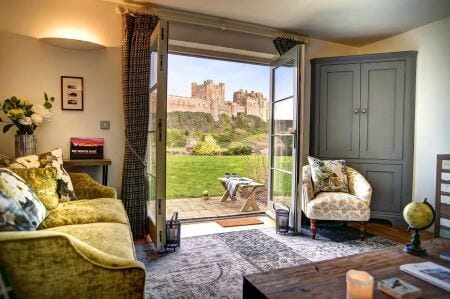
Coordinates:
(72,93)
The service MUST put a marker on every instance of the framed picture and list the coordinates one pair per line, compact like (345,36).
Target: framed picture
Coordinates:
(72,93)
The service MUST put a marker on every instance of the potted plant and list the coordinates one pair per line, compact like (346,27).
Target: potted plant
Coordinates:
(26,118)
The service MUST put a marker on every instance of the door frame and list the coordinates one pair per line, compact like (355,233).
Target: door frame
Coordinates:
(160,37)
(297,53)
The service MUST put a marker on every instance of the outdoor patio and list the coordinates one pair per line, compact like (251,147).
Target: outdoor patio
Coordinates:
(189,208)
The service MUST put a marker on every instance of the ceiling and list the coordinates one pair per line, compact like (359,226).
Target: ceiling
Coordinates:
(352,22)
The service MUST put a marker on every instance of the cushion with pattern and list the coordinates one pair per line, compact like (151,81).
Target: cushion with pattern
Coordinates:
(328,175)
(44,183)
(28,211)
(53,158)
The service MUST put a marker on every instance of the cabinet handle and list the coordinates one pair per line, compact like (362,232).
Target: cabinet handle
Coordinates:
(356,110)
(364,110)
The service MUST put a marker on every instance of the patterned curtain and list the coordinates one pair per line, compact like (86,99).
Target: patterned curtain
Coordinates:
(136,32)
(283,44)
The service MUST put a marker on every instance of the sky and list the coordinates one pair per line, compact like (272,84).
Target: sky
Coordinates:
(183,70)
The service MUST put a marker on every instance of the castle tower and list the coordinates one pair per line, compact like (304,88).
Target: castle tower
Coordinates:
(215,93)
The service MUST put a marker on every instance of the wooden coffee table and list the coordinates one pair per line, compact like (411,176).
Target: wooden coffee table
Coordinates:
(326,279)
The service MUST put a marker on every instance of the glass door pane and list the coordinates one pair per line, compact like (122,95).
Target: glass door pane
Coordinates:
(284,139)
(156,142)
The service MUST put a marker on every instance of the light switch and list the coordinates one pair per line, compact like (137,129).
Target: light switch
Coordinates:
(104,124)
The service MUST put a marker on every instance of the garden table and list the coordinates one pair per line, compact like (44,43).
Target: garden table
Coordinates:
(247,191)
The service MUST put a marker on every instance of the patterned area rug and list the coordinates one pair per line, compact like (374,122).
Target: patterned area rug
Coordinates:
(212,266)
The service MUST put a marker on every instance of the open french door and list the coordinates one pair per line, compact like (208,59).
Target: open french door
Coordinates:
(286,133)
(156,144)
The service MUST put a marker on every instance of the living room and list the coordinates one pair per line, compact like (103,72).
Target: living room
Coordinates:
(383,67)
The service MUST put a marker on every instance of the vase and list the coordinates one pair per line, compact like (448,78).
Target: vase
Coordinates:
(25,145)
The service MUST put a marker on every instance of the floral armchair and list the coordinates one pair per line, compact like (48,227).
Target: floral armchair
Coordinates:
(353,206)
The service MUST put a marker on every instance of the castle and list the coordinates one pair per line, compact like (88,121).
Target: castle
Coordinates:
(210,98)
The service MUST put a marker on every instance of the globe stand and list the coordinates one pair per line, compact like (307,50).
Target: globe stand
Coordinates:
(414,248)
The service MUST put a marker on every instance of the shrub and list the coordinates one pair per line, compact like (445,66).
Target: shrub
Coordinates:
(237,149)
(207,147)
(176,138)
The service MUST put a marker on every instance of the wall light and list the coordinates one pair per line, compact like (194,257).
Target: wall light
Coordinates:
(72,44)
(72,38)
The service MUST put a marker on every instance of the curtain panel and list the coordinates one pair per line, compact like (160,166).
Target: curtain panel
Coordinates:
(136,32)
(283,44)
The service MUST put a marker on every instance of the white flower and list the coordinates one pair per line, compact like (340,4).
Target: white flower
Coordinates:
(37,118)
(26,121)
(41,110)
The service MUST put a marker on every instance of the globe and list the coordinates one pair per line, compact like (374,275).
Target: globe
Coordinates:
(419,215)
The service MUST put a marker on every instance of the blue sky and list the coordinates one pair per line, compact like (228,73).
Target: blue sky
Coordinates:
(183,70)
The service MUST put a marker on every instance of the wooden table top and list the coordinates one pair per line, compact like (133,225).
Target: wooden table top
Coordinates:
(251,184)
(326,279)
(87,162)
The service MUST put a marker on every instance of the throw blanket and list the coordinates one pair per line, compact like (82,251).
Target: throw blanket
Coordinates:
(234,183)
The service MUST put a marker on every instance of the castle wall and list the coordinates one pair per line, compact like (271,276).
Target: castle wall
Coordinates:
(210,98)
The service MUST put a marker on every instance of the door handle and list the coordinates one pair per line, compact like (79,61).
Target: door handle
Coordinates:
(364,110)
(356,110)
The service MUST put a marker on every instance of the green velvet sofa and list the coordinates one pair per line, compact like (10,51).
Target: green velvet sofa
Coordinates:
(83,249)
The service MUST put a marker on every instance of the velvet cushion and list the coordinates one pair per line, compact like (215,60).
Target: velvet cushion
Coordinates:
(112,238)
(53,158)
(86,211)
(43,182)
(13,187)
(328,175)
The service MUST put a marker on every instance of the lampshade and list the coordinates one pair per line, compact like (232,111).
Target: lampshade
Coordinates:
(72,44)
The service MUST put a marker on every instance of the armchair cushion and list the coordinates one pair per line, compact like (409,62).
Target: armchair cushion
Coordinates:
(337,206)
(328,175)
(86,211)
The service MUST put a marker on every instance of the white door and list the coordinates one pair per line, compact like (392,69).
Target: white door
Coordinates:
(285,134)
(156,146)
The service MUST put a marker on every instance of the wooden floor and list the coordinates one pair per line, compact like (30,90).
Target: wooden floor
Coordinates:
(395,233)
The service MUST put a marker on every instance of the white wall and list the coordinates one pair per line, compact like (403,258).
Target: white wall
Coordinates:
(432,126)
(30,67)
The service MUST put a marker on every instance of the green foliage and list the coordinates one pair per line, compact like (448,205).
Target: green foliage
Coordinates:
(207,147)
(191,123)
(238,149)
(176,138)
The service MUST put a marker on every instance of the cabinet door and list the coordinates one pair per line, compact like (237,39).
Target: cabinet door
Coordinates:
(382,104)
(386,182)
(338,107)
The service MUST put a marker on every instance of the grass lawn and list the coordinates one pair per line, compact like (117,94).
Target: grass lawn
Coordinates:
(189,176)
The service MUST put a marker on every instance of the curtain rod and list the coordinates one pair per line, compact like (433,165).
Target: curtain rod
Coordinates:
(211,21)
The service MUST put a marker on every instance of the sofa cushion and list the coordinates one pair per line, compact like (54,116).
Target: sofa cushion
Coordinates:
(328,175)
(112,238)
(43,182)
(12,216)
(86,211)
(53,158)
(17,189)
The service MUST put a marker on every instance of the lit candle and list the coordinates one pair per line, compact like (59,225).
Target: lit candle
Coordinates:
(359,285)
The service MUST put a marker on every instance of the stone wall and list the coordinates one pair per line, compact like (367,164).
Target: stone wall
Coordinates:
(210,98)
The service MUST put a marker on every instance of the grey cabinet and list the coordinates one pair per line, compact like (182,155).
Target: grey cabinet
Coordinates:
(362,110)
(339,97)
